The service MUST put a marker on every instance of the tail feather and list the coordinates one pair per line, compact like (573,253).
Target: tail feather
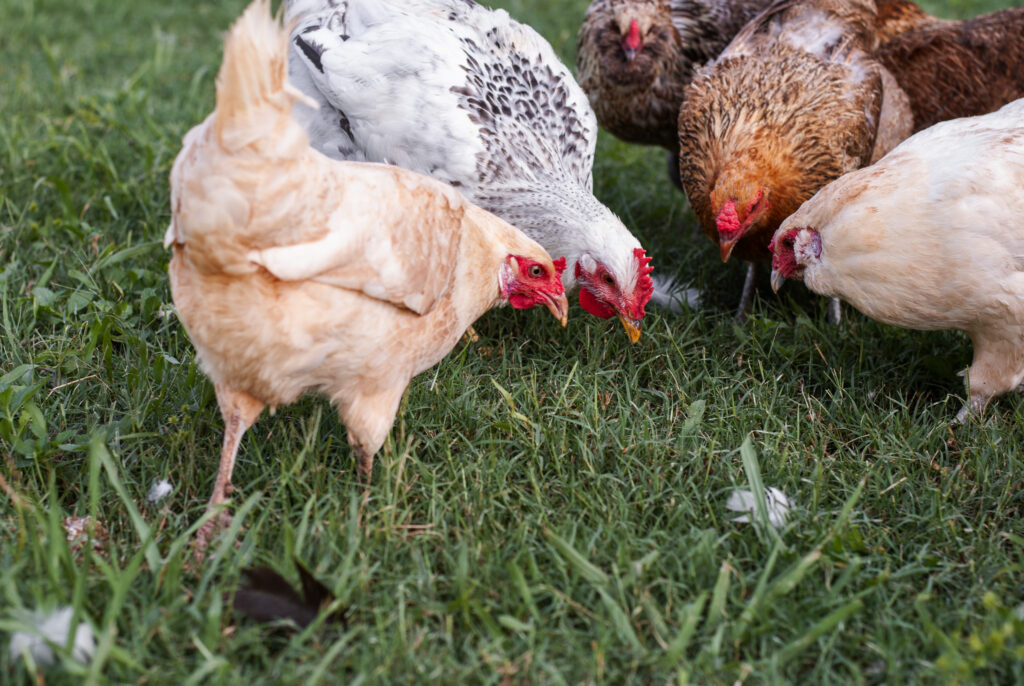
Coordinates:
(252,85)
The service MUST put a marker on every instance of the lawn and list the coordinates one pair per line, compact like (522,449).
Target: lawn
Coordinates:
(550,506)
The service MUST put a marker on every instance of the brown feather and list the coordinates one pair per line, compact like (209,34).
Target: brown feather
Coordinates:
(953,69)
(775,114)
(639,101)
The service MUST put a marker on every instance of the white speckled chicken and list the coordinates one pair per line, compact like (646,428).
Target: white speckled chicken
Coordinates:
(930,237)
(293,272)
(471,97)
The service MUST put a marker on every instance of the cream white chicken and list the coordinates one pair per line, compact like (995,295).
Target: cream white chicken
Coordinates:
(930,237)
(293,272)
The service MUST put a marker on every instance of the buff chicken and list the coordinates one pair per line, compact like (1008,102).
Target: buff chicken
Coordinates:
(293,272)
(796,100)
(930,237)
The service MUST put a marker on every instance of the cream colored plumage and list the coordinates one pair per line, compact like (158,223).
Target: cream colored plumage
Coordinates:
(293,272)
(930,237)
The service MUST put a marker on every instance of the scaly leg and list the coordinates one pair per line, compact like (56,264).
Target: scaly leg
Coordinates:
(747,299)
(240,411)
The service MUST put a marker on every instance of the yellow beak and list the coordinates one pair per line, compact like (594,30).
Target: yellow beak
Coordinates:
(632,327)
(777,279)
(558,305)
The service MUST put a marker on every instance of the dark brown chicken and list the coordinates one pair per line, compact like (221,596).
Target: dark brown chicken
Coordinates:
(952,69)
(795,101)
(636,57)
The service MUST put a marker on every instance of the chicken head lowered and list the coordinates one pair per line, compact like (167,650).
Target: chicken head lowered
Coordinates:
(796,100)
(930,237)
(471,97)
(293,272)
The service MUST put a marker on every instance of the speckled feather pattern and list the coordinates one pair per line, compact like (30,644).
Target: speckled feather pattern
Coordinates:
(932,237)
(469,96)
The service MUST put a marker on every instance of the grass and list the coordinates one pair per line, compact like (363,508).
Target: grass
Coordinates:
(550,505)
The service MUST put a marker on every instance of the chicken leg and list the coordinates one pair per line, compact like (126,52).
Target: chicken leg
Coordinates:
(368,417)
(240,411)
(835,311)
(997,367)
(747,298)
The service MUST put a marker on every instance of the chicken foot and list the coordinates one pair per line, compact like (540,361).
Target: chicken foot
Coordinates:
(240,411)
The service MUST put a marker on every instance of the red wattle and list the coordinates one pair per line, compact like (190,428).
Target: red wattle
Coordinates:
(521,302)
(594,306)
(728,221)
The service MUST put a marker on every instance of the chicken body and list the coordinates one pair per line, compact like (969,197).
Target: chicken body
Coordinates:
(293,272)
(475,99)
(635,59)
(952,69)
(794,102)
(930,237)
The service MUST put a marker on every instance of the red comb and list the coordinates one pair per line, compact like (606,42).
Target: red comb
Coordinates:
(644,285)
(559,265)
(633,38)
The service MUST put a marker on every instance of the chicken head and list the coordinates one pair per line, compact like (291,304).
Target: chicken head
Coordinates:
(605,295)
(526,282)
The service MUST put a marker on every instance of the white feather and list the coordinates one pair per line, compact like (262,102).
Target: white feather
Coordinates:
(466,95)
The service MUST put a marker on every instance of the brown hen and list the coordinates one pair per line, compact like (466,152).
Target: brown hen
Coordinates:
(636,57)
(795,101)
(952,69)
(293,272)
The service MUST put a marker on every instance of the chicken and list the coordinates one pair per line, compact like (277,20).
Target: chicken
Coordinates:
(795,101)
(952,69)
(930,237)
(636,57)
(470,97)
(293,272)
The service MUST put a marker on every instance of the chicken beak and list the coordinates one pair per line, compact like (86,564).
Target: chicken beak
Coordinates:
(726,247)
(632,327)
(777,279)
(630,55)
(558,305)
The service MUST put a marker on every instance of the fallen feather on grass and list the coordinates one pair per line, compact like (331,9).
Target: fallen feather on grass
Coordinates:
(267,597)
(52,628)
(160,490)
(83,531)
(778,503)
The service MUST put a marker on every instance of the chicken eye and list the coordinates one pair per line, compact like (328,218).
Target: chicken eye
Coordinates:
(536,271)
(607,278)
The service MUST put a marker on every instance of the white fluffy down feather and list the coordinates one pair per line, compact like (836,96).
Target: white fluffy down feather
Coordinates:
(778,503)
(44,629)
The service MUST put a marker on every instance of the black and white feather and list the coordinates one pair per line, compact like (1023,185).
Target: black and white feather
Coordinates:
(469,96)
